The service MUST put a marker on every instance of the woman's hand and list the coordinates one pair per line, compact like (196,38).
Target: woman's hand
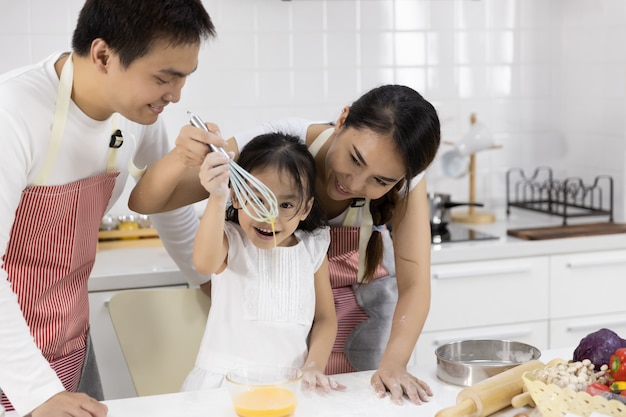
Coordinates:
(215,173)
(398,381)
(314,378)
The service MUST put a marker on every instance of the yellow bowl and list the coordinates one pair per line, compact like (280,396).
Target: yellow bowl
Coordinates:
(264,391)
(554,401)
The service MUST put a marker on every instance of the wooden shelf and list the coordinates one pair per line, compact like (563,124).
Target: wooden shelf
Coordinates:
(113,239)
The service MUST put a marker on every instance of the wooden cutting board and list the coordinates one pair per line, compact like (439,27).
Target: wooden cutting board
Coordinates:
(560,232)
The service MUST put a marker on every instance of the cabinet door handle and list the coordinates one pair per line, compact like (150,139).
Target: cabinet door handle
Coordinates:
(495,336)
(478,272)
(595,326)
(595,262)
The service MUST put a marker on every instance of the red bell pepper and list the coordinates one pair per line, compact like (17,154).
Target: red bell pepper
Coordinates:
(597,388)
(617,365)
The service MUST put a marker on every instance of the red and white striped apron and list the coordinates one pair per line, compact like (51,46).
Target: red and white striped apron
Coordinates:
(51,252)
(343,260)
(346,258)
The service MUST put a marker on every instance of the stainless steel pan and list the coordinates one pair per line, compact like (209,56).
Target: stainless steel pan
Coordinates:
(440,205)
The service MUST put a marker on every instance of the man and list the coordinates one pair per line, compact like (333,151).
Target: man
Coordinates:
(74,126)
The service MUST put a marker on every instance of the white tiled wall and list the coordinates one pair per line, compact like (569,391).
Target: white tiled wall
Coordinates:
(545,76)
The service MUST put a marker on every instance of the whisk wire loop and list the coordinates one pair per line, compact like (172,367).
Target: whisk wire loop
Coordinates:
(256,199)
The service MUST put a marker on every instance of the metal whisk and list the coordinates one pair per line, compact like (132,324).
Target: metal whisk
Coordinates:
(258,201)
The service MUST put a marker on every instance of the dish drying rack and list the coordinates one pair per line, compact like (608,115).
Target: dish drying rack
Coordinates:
(567,198)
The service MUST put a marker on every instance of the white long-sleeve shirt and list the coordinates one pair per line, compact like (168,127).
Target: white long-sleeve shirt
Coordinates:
(27,103)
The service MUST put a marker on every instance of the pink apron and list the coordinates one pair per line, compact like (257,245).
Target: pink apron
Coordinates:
(345,257)
(50,254)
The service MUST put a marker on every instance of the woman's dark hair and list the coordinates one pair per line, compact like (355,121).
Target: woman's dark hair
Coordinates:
(289,156)
(130,27)
(404,115)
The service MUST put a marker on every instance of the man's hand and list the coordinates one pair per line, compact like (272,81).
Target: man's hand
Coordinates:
(70,404)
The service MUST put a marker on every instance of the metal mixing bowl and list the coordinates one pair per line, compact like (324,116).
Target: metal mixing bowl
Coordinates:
(467,362)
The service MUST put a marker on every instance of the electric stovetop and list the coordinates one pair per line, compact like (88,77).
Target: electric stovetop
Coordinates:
(457,233)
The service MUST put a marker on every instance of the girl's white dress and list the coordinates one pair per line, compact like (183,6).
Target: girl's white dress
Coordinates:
(262,307)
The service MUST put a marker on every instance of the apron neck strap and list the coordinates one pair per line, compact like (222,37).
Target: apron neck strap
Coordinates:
(61,110)
(320,140)
(365,230)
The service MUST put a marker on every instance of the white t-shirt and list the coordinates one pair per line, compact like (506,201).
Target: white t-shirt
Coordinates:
(27,103)
(262,306)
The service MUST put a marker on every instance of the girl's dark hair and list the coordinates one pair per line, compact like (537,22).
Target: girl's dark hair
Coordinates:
(287,155)
(412,122)
(130,27)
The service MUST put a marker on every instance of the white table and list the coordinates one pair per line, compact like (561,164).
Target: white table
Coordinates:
(357,401)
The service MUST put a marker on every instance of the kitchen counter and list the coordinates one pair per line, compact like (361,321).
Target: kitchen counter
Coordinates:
(510,247)
(134,267)
(129,267)
(138,267)
(357,400)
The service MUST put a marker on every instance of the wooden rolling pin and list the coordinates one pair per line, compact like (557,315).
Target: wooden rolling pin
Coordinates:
(491,395)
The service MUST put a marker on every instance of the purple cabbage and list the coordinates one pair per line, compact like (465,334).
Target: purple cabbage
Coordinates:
(598,347)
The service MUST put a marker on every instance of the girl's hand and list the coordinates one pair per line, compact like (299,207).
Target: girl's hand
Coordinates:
(215,173)
(315,378)
(399,382)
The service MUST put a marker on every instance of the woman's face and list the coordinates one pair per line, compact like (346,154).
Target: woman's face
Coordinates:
(361,164)
(289,216)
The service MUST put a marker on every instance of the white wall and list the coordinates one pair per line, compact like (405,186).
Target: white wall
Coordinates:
(546,76)
(590,96)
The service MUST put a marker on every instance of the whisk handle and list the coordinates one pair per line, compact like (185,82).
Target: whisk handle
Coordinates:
(197,122)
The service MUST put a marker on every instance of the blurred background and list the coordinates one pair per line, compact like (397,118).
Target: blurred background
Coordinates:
(546,77)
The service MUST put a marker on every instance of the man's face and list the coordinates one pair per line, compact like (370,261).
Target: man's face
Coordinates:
(141,91)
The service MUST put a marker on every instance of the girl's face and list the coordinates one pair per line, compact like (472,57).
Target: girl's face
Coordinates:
(288,218)
(361,163)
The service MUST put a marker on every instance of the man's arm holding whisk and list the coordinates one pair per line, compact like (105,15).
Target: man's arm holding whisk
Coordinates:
(172,181)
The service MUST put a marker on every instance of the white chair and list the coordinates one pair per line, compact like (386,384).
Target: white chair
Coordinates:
(159,331)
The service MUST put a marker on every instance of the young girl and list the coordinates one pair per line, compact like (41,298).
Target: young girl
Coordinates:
(271,288)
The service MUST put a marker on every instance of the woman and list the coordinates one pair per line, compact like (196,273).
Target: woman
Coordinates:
(372,160)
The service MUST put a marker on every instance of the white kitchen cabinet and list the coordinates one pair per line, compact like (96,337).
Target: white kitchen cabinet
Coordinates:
(549,301)
(583,300)
(584,284)
(533,333)
(569,331)
(115,270)
(484,293)
(489,299)
(116,380)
